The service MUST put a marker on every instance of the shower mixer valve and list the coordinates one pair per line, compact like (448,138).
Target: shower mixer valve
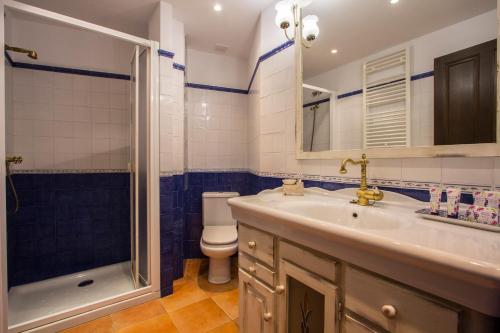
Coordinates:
(14,159)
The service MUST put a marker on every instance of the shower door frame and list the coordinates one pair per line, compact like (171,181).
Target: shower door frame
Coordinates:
(82,314)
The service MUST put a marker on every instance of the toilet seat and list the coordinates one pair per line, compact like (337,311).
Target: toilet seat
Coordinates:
(219,235)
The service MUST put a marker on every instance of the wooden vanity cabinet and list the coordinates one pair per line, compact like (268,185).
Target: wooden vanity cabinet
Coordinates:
(287,288)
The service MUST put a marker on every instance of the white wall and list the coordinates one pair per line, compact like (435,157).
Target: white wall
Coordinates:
(170,33)
(216,69)
(64,46)
(68,122)
(217,130)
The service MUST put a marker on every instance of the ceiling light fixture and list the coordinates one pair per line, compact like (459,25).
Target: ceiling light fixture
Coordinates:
(288,15)
(393,2)
(217,7)
(334,51)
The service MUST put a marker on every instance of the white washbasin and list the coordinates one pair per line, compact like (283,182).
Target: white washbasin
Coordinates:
(341,212)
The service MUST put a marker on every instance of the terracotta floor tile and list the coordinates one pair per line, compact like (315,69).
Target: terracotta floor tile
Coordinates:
(199,317)
(214,289)
(100,325)
(158,324)
(137,314)
(193,267)
(184,295)
(228,301)
(226,328)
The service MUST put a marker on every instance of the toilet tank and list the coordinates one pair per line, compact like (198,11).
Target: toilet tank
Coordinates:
(216,211)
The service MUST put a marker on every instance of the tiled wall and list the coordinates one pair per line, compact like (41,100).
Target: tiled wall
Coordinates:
(171,118)
(217,131)
(171,231)
(67,223)
(67,121)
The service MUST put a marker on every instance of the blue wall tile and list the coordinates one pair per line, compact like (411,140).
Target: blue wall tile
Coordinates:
(67,223)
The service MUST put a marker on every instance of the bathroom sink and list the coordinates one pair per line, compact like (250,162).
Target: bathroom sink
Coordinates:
(344,213)
(387,238)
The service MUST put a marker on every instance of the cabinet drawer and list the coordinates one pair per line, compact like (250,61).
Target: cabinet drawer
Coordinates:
(352,325)
(255,269)
(316,263)
(257,244)
(395,308)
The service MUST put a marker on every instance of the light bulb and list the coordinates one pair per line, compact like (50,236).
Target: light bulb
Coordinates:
(393,2)
(310,29)
(284,14)
(217,7)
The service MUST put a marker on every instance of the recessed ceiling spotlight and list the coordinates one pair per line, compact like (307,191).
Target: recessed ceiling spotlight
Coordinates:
(393,2)
(334,51)
(218,7)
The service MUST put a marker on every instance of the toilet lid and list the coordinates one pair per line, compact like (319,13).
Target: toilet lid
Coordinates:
(219,235)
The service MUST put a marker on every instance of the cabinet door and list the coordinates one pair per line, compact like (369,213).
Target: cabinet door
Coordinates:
(256,305)
(306,301)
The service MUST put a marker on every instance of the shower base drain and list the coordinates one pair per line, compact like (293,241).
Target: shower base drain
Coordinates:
(85,283)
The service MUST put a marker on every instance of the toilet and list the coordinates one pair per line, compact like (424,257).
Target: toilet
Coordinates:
(219,240)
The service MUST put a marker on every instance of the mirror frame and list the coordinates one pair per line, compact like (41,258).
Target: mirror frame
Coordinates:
(465,150)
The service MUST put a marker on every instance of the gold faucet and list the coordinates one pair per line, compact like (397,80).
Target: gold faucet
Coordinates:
(364,194)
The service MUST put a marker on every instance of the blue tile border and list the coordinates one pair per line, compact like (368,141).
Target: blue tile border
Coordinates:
(262,58)
(215,88)
(414,77)
(268,55)
(349,94)
(326,100)
(179,66)
(422,75)
(165,53)
(66,70)
(9,59)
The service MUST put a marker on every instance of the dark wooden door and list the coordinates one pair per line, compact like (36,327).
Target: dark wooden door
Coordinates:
(465,96)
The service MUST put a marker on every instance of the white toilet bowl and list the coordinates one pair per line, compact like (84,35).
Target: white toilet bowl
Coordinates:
(219,268)
(219,240)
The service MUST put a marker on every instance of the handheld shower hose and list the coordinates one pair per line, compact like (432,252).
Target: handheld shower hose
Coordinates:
(8,161)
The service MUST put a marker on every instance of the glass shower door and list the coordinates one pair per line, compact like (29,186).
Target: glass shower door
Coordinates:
(139,147)
(134,226)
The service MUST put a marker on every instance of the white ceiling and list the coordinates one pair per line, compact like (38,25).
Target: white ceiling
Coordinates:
(233,26)
(358,28)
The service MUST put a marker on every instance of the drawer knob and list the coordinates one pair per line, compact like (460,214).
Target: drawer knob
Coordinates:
(267,316)
(389,311)
(280,289)
(252,269)
(252,245)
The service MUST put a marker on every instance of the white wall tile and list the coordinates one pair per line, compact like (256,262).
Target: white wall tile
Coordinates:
(53,121)
(468,171)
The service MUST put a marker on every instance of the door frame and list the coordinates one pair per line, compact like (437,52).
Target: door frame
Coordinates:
(81,314)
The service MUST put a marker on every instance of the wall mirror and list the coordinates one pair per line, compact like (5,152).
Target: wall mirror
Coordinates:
(413,78)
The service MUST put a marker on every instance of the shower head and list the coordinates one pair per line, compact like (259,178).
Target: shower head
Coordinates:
(31,53)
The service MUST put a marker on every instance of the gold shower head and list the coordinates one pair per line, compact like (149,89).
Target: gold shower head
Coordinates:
(31,53)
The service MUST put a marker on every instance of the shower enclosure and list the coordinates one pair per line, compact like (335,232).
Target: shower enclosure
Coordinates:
(79,214)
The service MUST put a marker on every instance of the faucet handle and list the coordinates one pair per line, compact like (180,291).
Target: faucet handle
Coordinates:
(375,190)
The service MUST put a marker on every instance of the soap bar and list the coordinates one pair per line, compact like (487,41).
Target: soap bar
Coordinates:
(483,215)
